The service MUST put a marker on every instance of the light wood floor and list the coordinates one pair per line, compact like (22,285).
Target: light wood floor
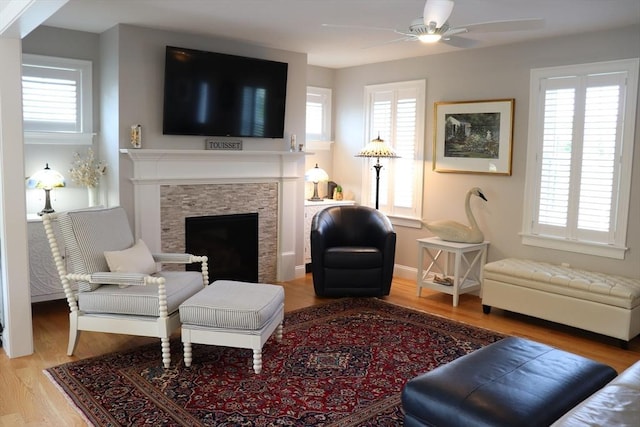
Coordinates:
(28,398)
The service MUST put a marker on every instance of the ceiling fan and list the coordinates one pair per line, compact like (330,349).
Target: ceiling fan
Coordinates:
(433,27)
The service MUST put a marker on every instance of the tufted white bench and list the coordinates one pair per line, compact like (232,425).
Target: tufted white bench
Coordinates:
(233,314)
(602,303)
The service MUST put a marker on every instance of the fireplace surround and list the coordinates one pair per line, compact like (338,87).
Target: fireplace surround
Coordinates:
(205,182)
(181,202)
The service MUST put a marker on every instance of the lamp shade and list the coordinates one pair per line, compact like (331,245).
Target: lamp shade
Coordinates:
(46,179)
(377,148)
(316,174)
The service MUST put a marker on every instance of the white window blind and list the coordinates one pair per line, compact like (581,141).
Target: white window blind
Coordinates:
(318,114)
(56,98)
(578,176)
(395,112)
(50,103)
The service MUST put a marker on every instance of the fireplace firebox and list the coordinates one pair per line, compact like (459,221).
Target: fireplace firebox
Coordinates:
(229,241)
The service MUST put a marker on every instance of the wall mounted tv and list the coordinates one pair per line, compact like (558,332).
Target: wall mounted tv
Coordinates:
(215,94)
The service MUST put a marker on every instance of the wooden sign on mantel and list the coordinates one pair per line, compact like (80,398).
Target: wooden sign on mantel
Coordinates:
(223,144)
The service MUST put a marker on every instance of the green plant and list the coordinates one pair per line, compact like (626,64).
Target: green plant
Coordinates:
(338,189)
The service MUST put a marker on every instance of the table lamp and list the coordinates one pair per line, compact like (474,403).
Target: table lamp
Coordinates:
(316,175)
(377,148)
(46,179)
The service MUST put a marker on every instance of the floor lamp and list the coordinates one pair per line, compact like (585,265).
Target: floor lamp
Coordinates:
(377,148)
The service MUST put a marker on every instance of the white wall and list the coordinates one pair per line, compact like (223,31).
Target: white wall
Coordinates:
(132,93)
(141,55)
(482,74)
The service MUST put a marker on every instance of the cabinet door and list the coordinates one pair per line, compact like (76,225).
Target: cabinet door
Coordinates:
(44,279)
(309,212)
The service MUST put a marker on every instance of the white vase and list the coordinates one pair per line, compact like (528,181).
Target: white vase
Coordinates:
(92,192)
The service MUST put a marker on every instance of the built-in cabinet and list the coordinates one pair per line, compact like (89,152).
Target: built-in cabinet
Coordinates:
(310,209)
(43,275)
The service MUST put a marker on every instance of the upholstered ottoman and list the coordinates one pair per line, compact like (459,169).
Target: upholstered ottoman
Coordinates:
(513,382)
(602,303)
(233,314)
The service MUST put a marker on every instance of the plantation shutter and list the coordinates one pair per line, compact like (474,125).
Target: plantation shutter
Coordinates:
(314,115)
(556,156)
(580,158)
(318,114)
(381,126)
(395,115)
(599,163)
(50,98)
(405,146)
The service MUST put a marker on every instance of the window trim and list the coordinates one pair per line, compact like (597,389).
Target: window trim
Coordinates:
(368,173)
(85,135)
(618,248)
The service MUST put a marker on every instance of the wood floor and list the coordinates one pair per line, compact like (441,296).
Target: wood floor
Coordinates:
(28,398)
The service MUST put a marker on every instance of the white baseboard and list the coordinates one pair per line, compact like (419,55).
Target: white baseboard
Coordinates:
(300,271)
(405,272)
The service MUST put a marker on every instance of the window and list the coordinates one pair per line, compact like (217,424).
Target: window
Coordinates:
(56,100)
(318,114)
(581,129)
(395,112)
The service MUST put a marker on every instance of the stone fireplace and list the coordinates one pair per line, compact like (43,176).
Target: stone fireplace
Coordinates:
(171,185)
(178,202)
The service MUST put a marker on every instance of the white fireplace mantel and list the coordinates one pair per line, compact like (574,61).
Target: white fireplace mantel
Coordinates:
(153,168)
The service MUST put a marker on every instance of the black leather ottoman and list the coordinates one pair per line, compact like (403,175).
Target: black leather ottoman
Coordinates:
(513,382)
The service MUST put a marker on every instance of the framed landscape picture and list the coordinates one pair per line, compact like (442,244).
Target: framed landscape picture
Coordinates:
(473,136)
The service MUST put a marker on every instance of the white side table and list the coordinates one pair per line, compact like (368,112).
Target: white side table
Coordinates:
(465,276)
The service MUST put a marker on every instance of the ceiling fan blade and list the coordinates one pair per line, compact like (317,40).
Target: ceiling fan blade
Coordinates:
(358,27)
(509,25)
(454,31)
(460,42)
(407,37)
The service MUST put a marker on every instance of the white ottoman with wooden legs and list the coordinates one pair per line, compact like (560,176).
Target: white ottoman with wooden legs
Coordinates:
(233,314)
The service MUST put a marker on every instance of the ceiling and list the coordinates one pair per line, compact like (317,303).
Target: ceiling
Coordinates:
(297,25)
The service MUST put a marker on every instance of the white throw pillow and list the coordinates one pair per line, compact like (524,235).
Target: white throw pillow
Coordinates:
(136,259)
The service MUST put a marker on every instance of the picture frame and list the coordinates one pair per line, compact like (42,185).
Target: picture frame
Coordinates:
(474,136)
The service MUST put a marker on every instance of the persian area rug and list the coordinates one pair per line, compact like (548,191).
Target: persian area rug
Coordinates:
(339,364)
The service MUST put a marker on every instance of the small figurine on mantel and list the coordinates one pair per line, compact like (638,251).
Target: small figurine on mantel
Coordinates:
(453,231)
(136,136)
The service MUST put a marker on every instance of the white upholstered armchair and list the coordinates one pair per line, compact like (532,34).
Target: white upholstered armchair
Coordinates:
(119,287)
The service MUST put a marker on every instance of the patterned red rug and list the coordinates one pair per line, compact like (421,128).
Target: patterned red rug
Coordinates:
(343,363)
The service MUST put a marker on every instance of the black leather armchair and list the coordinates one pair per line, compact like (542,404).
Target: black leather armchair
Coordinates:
(352,252)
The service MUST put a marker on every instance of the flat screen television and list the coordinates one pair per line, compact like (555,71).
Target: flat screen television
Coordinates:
(215,94)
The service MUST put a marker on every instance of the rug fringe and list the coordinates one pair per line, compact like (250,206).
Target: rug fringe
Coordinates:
(68,398)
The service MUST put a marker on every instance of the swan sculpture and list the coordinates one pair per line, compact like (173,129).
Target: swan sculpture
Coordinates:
(453,231)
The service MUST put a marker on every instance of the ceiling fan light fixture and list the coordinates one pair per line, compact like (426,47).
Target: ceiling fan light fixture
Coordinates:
(429,38)
(437,11)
